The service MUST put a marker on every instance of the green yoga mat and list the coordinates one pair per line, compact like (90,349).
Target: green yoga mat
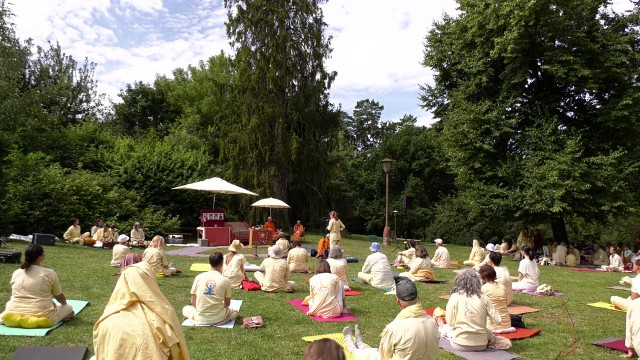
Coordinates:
(77,306)
(360,282)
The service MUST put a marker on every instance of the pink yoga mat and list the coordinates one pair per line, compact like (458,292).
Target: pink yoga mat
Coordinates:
(304,308)
(587,269)
(615,344)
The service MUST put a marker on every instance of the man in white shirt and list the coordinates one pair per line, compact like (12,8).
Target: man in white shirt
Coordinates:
(211,296)
(441,257)
(376,270)
(411,335)
(615,261)
(623,303)
(120,251)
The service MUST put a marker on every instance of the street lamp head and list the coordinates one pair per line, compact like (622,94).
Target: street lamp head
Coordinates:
(395,211)
(386,164)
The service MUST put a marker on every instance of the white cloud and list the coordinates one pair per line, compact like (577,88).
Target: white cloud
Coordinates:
(149,6)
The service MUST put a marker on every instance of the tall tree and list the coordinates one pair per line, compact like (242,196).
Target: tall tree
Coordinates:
(364,127)
(283,123)
(538,106)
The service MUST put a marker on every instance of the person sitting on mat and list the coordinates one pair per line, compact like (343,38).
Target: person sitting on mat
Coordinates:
(504,247)
(528,272)
(98,225)
(615,261)
(73,235)
(283,243)
(32,287)
(324,349)
(468,312)
(502,275)
(559,256)
(623,303)
(137,236)
(120,251)
(298,259)
(404,257)
(298,231)
(105,236)
(326,297)
(477,254)
(233,268)
(211,296)
(599,256)
(632,329)
(138,321)
(490,249)
(376,270)
(155,256)
(441,257)
(275,273)
(411,335)
(498,296)
(323,247)
(420,266)
(338,265)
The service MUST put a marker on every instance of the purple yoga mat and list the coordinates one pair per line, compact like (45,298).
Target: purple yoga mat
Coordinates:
(557,293)
(304,308)
(612,343)
(487,354)
(189,251)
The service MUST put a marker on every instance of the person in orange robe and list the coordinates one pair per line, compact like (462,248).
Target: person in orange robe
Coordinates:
(269,224)
(323,247)
(298,231)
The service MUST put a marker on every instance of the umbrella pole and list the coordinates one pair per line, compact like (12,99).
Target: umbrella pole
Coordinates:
(214,201)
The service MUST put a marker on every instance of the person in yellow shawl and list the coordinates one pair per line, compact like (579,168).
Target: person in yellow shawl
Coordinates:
(73,235)
(105,236)
(420,266)
(411,335)
(477,254)
(138,322)
(155,256)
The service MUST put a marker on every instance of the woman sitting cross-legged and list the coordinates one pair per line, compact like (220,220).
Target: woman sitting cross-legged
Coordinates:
(327,293)
(376,270)
(528,272)
(298,259)
(468,311)
(234,261)
(155,256)
(275,273)
(32,287)
(404,257)
(497,293)
(420,266)
(477,254)
(138,322)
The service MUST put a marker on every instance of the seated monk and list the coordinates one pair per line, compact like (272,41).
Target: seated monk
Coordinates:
(298,231)
(211,296)
(270,225)
(32,287)
(323,247)
(298,259)
(139,322)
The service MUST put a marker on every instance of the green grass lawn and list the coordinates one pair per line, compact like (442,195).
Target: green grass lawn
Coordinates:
(568,324)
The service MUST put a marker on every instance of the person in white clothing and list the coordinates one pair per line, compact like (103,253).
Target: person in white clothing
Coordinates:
(560,255)
(615,261)
(376,270)
(623,303)
(120,251)
(528,272)
(632,330)
(338,265)
(441,257)
(404,257)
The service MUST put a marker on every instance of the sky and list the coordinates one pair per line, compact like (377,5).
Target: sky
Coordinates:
(377,45)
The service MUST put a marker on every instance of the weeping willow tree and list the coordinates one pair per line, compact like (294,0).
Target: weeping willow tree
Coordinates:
(282,125)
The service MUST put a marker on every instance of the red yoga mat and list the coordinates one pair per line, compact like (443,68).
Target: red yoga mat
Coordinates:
(304,308)
(612,343)
(521,334)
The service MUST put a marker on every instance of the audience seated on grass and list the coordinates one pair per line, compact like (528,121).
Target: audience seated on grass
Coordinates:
(404,257)
(130,259)
(528,272)
(326,298)
(298,259)
(105,236)
(559,257)
(98,225)
(275,273)
(615,261)
(411,335)
(623,303)
(32,287)
(420,266)
(504,247)
(211,296)
(338,265)
(234,261)
(498,296)
(137,236)
(138,322)
(376,270)
(155,256)
(469,333)
(573,256)
(502,275)
(324,349)
(441,258)
(632,329)
(489,249)
(120,251)
(73,235)
(600,256)
(283,243)
(477,254)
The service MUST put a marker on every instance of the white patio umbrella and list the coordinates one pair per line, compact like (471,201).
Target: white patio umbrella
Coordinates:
(216,185)
(271,203)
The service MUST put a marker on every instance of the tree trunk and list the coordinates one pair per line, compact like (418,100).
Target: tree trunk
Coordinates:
(282,192)
(559,229)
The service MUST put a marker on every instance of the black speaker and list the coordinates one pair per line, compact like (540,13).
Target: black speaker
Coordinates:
(407,202)
(43,239)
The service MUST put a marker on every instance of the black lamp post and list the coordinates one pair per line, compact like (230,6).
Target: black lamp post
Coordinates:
(386,167)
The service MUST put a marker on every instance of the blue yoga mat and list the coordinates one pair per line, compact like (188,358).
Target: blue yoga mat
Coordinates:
(77,306)
(379,288)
